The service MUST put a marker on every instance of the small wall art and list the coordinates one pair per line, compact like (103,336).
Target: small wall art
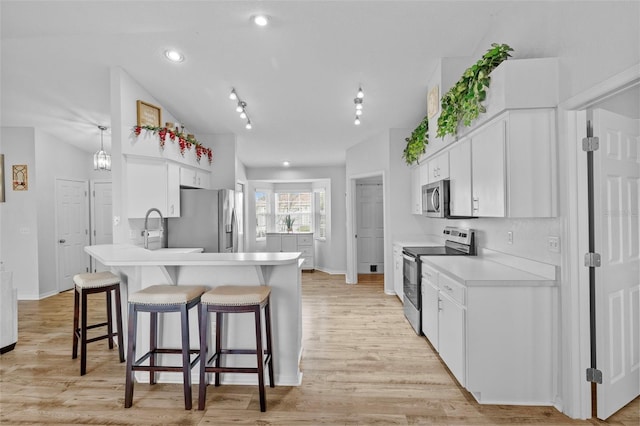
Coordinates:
(20,177)
(433,102)
(148,115)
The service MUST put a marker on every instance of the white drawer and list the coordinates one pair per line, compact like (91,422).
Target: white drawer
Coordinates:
(305,240)
(306,251)
(307,263)
(454,289)
(429,275)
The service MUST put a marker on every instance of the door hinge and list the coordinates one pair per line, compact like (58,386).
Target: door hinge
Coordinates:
(590,143)
(592,260)
(594,375)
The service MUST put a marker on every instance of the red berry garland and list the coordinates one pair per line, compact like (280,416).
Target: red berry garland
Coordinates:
(184,141)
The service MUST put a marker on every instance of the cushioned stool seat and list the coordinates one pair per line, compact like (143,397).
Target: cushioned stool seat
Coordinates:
(161,299)
(235,299)
(91,283)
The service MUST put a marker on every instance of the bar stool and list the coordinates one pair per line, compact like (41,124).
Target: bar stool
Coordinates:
(90,283)
(235,299)
(161,299)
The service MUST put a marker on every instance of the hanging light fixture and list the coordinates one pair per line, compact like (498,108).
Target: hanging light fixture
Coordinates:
(358,103)
(101,160)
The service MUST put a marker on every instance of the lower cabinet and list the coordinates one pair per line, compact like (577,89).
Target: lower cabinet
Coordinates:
(398,272)
(293,242)
(497,338)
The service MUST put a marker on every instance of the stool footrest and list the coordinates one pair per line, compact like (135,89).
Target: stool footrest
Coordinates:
(143,358)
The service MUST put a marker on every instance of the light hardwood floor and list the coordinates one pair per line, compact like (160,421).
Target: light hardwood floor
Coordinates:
(362,364)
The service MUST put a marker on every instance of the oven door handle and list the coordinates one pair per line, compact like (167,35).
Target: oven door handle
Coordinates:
(410,258)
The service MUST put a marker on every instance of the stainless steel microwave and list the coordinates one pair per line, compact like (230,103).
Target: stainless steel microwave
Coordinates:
(435,199)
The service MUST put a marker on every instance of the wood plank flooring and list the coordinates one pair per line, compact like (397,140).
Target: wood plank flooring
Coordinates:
(362,365)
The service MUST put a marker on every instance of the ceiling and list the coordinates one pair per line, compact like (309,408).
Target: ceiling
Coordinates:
(298,75)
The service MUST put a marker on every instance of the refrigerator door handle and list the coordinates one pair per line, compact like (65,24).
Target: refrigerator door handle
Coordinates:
(234,231)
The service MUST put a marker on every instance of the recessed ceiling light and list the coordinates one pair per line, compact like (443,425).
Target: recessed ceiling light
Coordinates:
(260,20)
(285,163)
(174,55)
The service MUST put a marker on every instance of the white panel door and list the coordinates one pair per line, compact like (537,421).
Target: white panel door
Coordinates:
(460,178)
(370,228)
(72,230)
(617,230)
(101,209)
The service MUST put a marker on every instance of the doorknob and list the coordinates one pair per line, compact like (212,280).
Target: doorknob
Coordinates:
(62,241)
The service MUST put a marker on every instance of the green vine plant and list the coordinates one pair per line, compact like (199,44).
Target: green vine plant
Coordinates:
(463,102)
(417,142)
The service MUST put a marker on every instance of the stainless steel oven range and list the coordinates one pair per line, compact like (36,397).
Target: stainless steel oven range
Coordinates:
(459,242)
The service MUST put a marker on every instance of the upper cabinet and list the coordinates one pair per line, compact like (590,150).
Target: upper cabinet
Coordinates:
(488,171)
(438,167)
(460,178)
(152,184)
(416,190)
(194,178)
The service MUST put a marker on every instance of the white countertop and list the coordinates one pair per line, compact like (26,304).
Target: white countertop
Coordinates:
(478,271)
(131,255)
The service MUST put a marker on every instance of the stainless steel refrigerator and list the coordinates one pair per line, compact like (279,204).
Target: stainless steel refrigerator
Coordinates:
(207,219)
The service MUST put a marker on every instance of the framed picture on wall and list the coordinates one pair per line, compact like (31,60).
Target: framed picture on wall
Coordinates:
(148,115)
(20,177)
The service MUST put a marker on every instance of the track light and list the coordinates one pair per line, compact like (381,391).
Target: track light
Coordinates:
(358,112)
(241,107)
(360,94)
(357,121)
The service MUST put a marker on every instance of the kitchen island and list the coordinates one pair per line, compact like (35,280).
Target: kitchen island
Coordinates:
(140,268)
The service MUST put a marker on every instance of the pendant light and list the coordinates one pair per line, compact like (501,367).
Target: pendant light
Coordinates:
(101,160)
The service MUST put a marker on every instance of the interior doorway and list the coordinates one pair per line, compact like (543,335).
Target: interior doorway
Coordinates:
(72,230)
(370,225)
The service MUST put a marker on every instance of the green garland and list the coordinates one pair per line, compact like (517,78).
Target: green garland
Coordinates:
(463,102)
(417,142)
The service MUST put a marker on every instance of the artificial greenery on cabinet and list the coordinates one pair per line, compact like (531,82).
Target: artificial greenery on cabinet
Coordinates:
(417,142)
(463,102)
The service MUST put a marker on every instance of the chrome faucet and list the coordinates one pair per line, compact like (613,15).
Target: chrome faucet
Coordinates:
(145,233)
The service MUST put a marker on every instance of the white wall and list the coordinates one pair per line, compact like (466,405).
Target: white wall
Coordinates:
(330,254)
(19,239)
(27,219)
(55,160)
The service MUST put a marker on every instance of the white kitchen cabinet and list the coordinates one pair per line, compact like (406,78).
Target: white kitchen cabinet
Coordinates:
(430,305)
(153,184)
(496,338)
(488,170)
(451,327)
(513,165)
(194,178)
(460,178)
(438,167)
(293,242)
(398,272)
(416,191)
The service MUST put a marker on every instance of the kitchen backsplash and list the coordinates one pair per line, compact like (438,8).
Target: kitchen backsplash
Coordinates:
(530,237)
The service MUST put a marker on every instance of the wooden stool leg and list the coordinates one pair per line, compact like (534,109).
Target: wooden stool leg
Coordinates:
(119,324)
(109,319)
(83,336)
(203,315)
(267,321)
(131,353)
(218,346)
(186,363)
(76,318)
(153,344)
(259,356)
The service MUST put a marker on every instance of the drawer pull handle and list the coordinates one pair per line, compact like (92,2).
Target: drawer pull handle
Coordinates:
(449,289)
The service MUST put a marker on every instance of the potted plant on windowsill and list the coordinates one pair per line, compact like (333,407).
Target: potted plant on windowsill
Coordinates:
(288,223)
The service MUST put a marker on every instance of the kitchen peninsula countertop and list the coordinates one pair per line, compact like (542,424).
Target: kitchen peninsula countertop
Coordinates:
(132,255)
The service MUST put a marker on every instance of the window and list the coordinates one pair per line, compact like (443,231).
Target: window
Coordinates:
(296,205)
(262,214)
(320,213)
